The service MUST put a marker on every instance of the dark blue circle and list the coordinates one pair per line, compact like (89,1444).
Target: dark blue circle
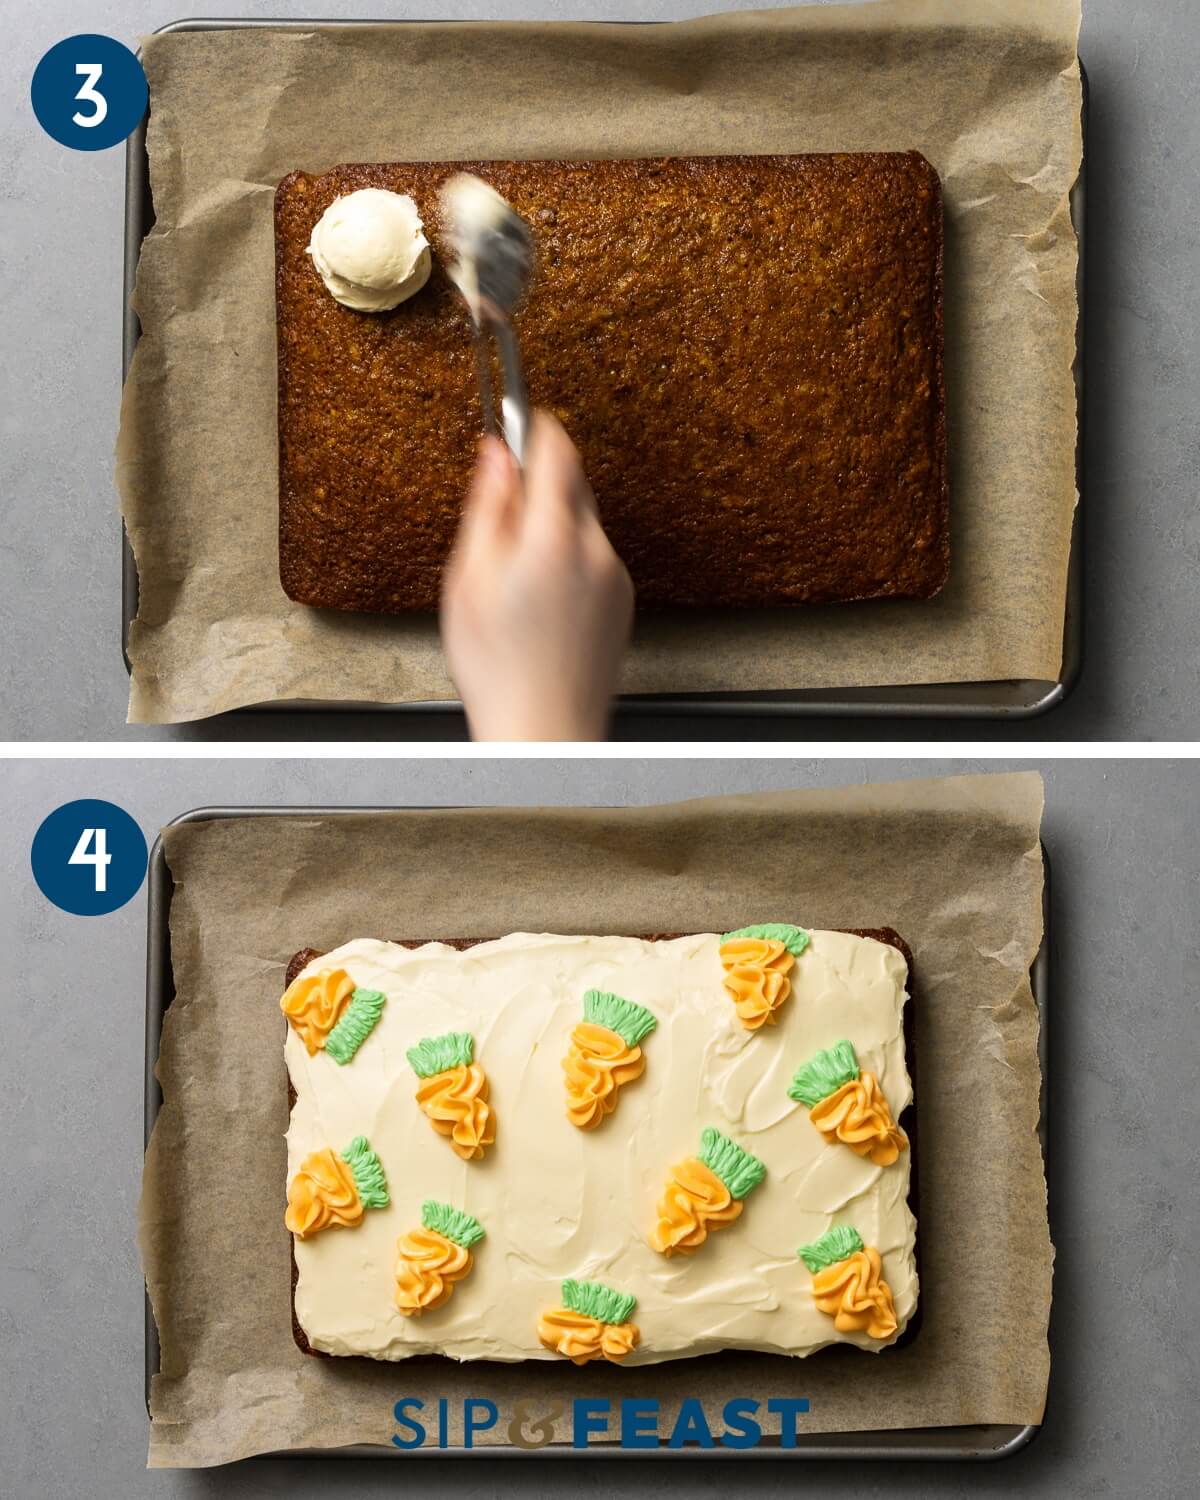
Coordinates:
(72,887)
(120,85)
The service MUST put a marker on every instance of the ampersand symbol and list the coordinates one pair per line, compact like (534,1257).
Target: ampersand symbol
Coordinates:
(542,1428)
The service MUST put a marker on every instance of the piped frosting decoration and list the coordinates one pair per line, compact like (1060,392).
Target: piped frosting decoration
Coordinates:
(704,1193)
(847,1105)
(355,1024)
(313,1004)
(757,961)
(453,1092)
(332,1189)
(604,1054)
(592,1323)
(838,1243)
(329,1013)
(520,997)
(848,1284)
(430,1261)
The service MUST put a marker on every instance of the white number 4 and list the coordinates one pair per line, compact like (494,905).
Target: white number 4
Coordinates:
(99,855)
(90,72)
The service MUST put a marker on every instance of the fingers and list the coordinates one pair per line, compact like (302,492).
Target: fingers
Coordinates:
(492,508)
(551,504)
(556,488)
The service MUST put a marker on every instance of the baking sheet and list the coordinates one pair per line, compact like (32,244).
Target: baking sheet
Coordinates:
(956,862)
(215,631)
(960,1443)
(1017,699)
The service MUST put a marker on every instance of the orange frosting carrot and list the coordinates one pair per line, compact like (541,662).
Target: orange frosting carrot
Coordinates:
(694,1201)
(858,1114)
(314,1003)
(855,1295)
(596,1065)
(427,1267)
(456,1102)
(756,976)
(323,1193)
(581,1338)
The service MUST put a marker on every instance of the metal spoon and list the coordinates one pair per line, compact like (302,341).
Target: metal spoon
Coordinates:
(494,252)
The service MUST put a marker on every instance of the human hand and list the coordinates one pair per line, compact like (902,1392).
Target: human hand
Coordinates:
(536,606)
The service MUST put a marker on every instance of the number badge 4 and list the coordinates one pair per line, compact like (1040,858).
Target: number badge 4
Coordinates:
(89,857)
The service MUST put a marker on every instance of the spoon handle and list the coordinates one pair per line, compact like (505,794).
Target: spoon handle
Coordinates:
(483,360)
(515,404)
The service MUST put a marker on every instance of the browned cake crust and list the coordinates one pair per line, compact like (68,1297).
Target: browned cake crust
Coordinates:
(907,1121)
(746,349)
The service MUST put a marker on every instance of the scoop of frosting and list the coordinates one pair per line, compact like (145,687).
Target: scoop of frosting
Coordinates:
(427,1267)
(756,976)
(581,1338)
(859,1116)
(855,1295)
(370,249)
(313,1004)
(456,1103)
(694,1201)
(471,207)
(597,1063)
(322,1194)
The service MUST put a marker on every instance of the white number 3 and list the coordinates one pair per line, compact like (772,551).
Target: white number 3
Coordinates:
(99,856)
(90,72)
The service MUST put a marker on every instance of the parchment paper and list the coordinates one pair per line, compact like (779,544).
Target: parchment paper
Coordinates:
(955,866)
(989,90)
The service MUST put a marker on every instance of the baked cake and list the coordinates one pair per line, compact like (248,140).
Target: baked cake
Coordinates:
(746,349)
(600,1148)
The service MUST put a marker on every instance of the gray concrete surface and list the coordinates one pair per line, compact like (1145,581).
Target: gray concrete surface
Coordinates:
(1124,1131)
(60,241)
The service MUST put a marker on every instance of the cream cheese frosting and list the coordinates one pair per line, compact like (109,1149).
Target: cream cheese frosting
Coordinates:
(370,249)
(557,1202)
(472,207)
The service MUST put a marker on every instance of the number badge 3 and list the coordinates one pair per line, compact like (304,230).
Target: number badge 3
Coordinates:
(89,92)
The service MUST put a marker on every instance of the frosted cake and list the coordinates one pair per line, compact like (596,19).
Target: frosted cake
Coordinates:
(601,1148)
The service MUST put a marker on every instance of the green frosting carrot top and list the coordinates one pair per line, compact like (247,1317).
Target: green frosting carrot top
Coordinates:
(836,1244)
(824,1074)
(737,1169)
(592,1299)
(368,1173)
(630,1022)
(355,1024)
(794,939)
(445,1219)
(438,1054)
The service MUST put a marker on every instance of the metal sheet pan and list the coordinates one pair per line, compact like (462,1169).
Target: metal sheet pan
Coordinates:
(948,1443)
(1015,699)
